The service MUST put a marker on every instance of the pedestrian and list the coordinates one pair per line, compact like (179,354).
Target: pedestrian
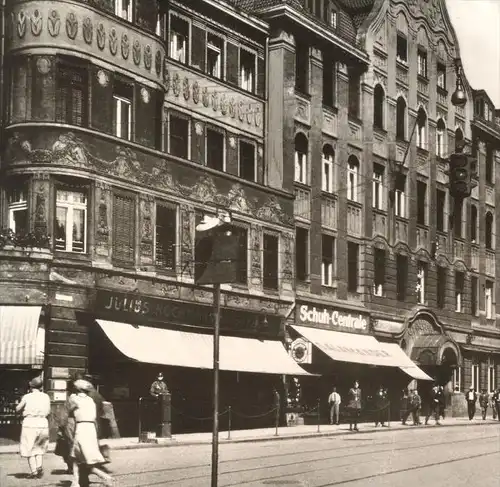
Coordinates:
(354,406)
(334,400)
(496,402)
(158,387)
(441,402)
(65,433)
(416,404)
(483,403)
(471,397)
(85,451)
(493,404)
(433,406)
(404,407)
(35,408)
(381,407)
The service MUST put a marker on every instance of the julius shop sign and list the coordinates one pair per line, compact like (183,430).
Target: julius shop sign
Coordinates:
(332,318)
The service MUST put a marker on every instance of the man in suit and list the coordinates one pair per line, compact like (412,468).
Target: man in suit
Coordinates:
(483,403)
(416,404)
(471,398)
(334,401)
(495,399)
(381,406)
(433,406)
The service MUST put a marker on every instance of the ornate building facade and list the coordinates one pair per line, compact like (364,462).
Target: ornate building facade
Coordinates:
(124,122)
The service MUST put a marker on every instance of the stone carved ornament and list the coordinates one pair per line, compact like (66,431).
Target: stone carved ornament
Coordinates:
(69,150)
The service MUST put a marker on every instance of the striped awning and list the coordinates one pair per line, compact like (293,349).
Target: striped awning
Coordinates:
(22,340)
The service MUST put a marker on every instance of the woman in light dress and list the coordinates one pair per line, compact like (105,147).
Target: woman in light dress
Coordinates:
(85,449)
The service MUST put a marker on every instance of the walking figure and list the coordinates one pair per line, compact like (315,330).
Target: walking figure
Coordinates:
(483,403)
(354,406)
(381,406)
(433,409)
(471,397)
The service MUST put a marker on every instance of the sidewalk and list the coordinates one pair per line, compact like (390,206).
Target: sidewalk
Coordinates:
(268,434)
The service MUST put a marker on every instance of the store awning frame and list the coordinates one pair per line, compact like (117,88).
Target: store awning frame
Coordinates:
(164,346)
(361,349)
(433,350)
(22,339)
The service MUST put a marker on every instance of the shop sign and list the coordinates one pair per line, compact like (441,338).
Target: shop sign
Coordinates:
(333,318)
(136,308)
(387,326)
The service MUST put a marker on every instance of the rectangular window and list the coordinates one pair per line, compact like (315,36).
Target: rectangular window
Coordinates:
(457,379)
(378,187)
(489,164)
(421,203)
(124,228)
(354,88)
(352,181)
(242,267)
(458,217)
(302,253)
(327,259)
(71,221)
(474,289)
(302,68)
(379,257)
(215,55)
(422,63)
(441,76)
(488,299)
(401,276)
(440,210)
(248,167)
(459,291)
(18,210)
(422,269)
(122,105)
(215,149)
(327,175)
(247,70)
(352,267)
(475,382)
(166,236)
(400,196)
(178,135)
(402,49)
(271,262)
(492,376)
(71,95)
(333,19)
(300,167)
(329,74)
(179,39)
(123,8)
(441,287)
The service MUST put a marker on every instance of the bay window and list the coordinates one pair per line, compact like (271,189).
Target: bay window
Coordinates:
(17,200)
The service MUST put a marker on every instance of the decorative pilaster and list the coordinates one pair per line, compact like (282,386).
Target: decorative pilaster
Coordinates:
(146,215)
(187,242)
(286,257)
(39,204)
(256,256)
(102,219)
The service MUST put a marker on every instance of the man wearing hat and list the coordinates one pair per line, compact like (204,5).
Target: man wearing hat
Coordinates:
(471,397)
(158,387)
(35,407)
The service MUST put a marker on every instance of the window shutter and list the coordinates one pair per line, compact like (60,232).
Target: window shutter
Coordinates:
(232,68)
(124,228)
(197,142)
(199,39)
(261,77)
(102,101)
(145,115)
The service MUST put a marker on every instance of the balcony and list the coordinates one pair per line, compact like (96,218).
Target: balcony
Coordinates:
(302,203)
(75,27)
(354,218)
(329,211)
(330,122)
(474,257)
(302,109)
(459,250)
(423,240)
(490,263)
(401,230)
(380,226)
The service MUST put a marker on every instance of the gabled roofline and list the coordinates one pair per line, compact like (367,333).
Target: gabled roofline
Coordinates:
(287,11)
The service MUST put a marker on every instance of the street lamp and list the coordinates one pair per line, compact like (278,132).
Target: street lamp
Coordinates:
(459,97)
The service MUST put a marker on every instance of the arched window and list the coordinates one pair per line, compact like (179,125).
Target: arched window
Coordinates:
(459,137)
(401,119)
(473,223)
(327,175)
(441,138)
(352,178)
(378,107)
(421,129)
(301,150)
(488,230)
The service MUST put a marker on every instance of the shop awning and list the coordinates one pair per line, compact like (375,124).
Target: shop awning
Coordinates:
(410,368)
(184,349)
(22,340)
(361,349)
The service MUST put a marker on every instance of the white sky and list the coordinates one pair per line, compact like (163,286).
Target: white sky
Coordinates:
(477,25)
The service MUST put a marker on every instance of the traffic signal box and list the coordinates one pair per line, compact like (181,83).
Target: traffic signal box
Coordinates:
(462,174)
(216,255)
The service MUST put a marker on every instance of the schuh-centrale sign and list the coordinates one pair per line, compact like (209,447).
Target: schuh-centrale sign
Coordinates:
(332,318)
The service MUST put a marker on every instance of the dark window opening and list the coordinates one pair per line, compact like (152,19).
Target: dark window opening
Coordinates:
(474,286)
(401,119)
(242,267)
(165,236)
(441,287)
(379,271)
(421,203)
(401,276)
(71,95)
(301,253)
(215,149)
(378,107)
(354,93)
(178,144)
(473,223)
(328,81)
(247,161)
(271,259)
(440,210)
(302,68)
(352,267)
(457,217)
(402,49)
